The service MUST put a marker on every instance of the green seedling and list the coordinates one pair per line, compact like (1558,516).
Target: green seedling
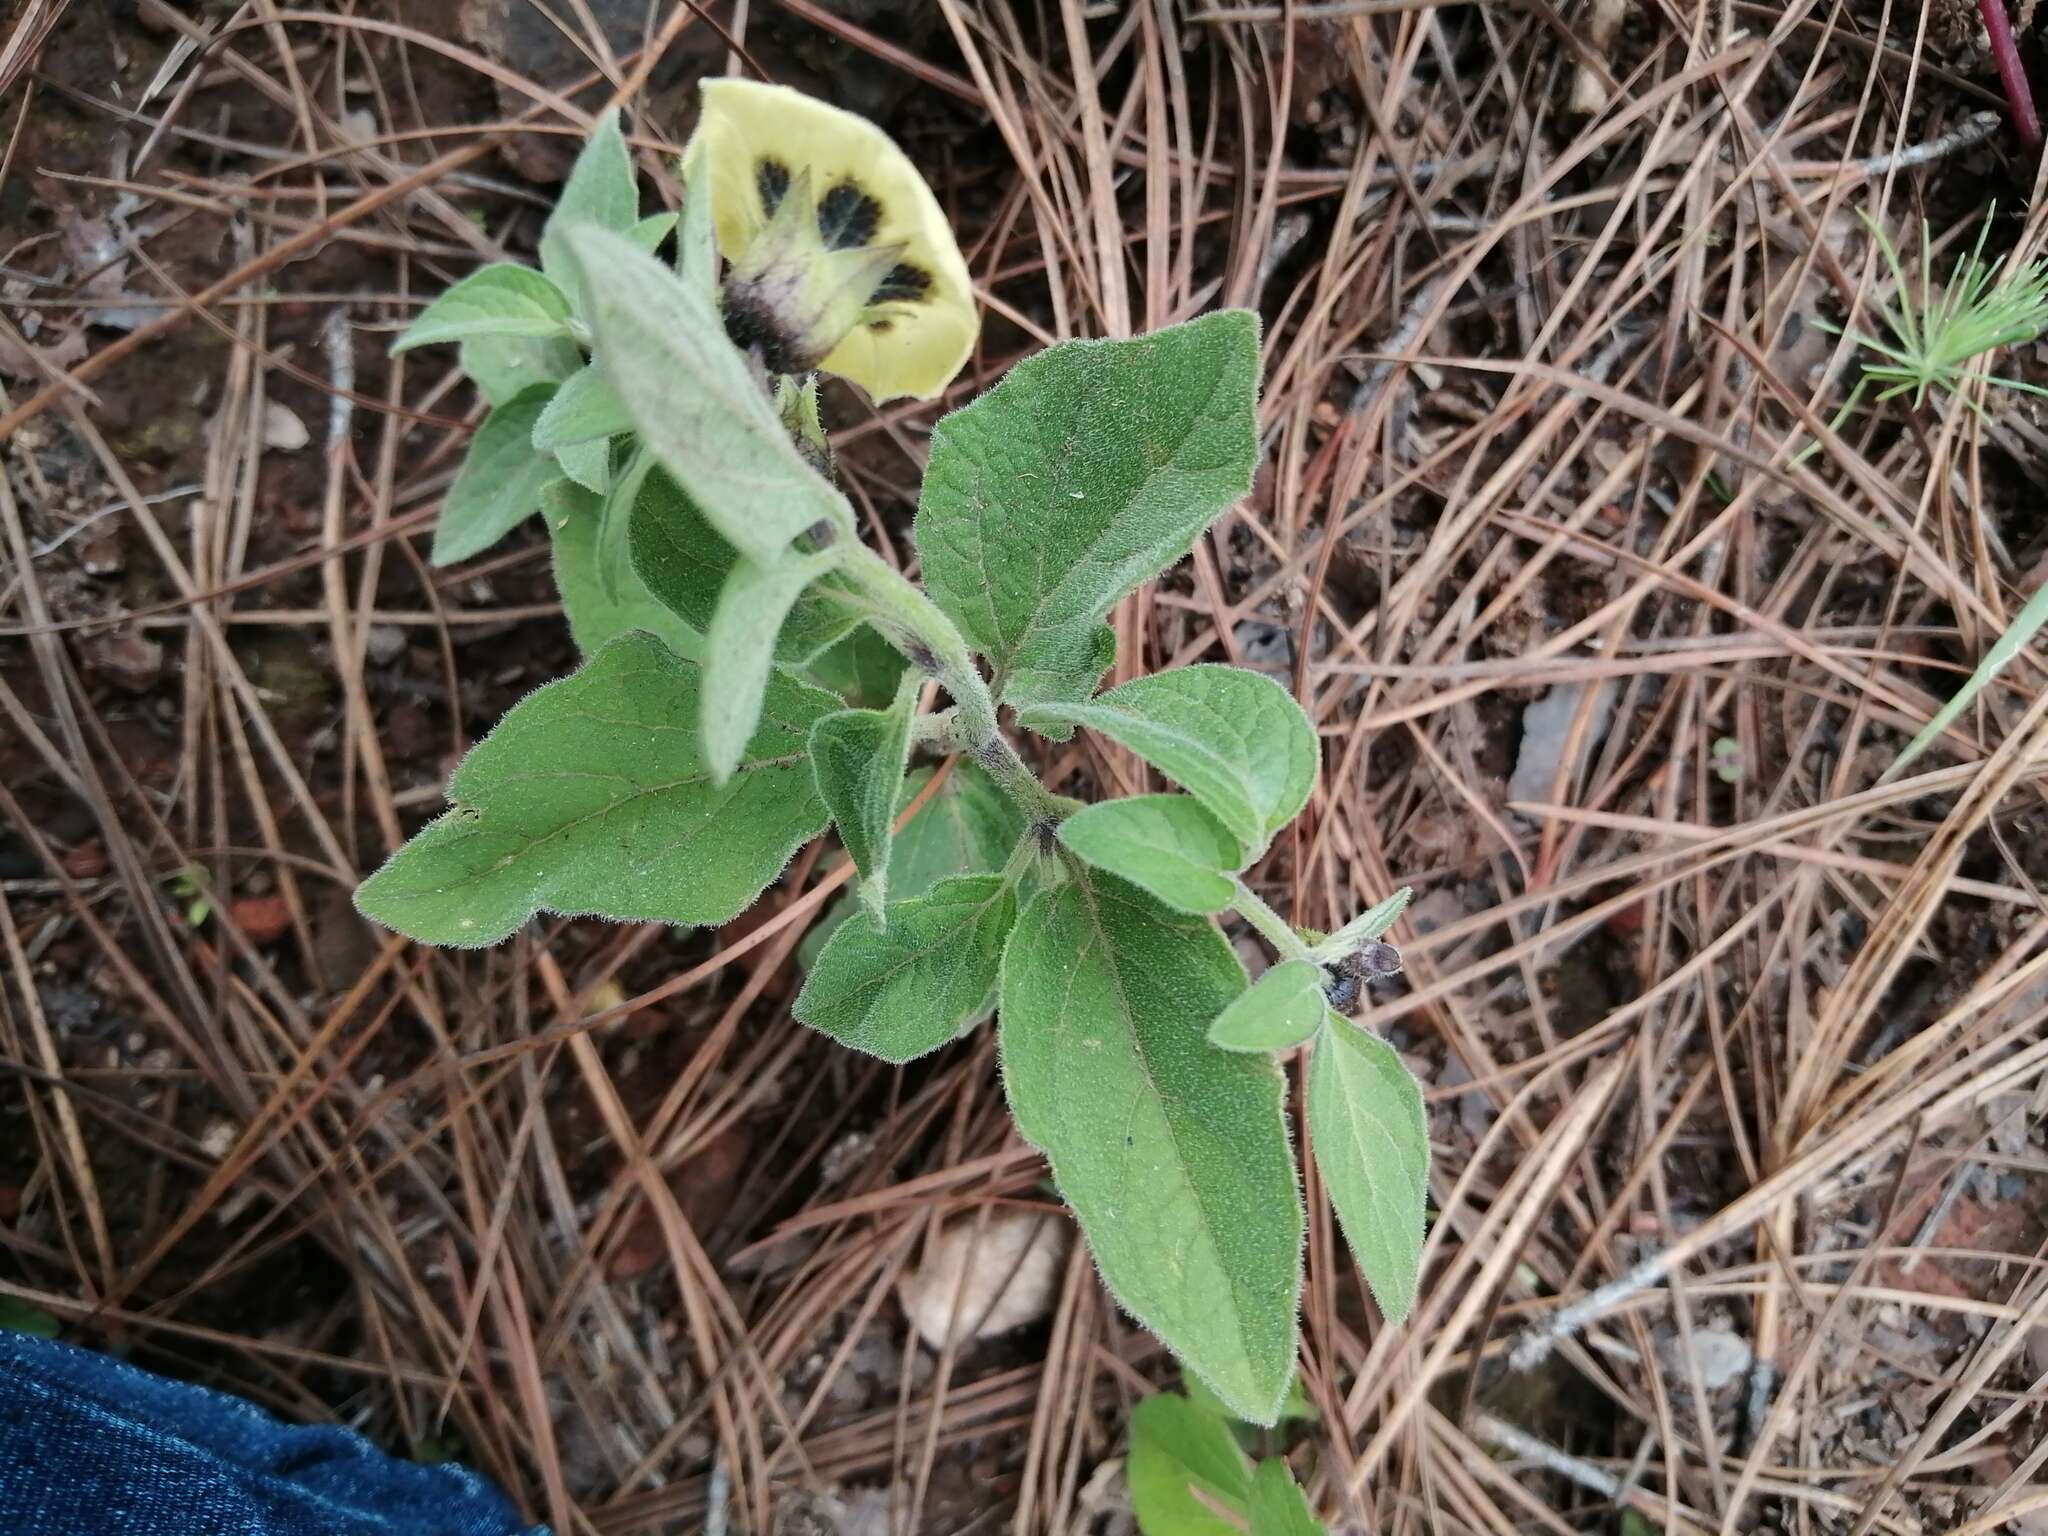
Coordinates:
(754,673)
(1189,1474)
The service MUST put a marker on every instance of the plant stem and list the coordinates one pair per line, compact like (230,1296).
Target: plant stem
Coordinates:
(1252,908)
(919,628)
(2005,51)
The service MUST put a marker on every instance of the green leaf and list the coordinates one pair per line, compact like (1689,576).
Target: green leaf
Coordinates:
(649,232)
(1372,1148)
(587,464)
(20,1317)
(1283,1008)
(601,190)
(1177,1449)
(1232,738)
(583,410)
(505,366)
(696,238)
(967,827)
(592,795)
(1166,843)
(859,756)
(1086,472)
(739,651)
(1368,926)
(499,483)
(502,299)
(862,669)
(685,563)
(692,397)
(1173,1154)
(901,991)
(599,610)
(1297,1405)
(1277,1507)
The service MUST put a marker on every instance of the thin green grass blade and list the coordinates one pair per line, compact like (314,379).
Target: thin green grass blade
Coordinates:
(2010,644)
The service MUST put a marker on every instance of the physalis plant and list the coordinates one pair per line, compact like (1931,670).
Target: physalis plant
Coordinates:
(755,673)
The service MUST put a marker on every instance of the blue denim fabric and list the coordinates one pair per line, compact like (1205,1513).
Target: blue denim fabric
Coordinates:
(91,1446)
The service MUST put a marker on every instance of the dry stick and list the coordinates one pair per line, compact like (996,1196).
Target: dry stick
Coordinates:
(78,1162)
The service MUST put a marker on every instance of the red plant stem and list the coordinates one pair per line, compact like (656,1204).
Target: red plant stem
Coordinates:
(2011,75)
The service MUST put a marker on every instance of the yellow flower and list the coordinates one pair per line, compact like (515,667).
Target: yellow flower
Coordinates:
(841,258)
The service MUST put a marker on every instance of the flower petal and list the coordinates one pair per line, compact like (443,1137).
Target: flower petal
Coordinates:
(752,140)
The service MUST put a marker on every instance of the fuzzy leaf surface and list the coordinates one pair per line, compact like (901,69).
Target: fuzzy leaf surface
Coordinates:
(1173,1154)
(1177,1449)
(582,410)
(739,651)
(1086,472)
(862,668)
(1281,1009)
(686,563)
(859,756)
(663,349)
(500,481)
(1371,1146)
(967,827)
(587,464)
(901,991)
(1166,843)
(599,610)
(602,190)
(1277,1506)
(592,795)
(1231,737)
(504,366)
(502,299)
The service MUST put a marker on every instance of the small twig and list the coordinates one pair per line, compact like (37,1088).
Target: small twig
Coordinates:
(1545,1455)
(1974,129)
(1536,1342)
(2011,73)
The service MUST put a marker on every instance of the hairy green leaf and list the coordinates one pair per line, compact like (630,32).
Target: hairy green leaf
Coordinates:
(1277,1506)
(901,991)
(1297,1405)
(1173,1154)
(587,464)
(648,233)
(862,668)
(1363,929)
(1371,1145)
(1232,738)
(969,826)
(696,238)
(592,795)
(502,299)
(1086,472)
(739,651)
(499,483)
(859,756)
(685,562)
(1176,1449)
(601,190)
(1283,1008)
(505,366)
(1166,843)
(600,610)
(663,349)
(583,410)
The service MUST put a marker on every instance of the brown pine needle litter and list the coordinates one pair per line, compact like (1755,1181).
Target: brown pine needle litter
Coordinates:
(1734,1011)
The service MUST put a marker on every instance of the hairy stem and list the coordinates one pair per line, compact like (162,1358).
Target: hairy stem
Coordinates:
(919,628)
(1249,905)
